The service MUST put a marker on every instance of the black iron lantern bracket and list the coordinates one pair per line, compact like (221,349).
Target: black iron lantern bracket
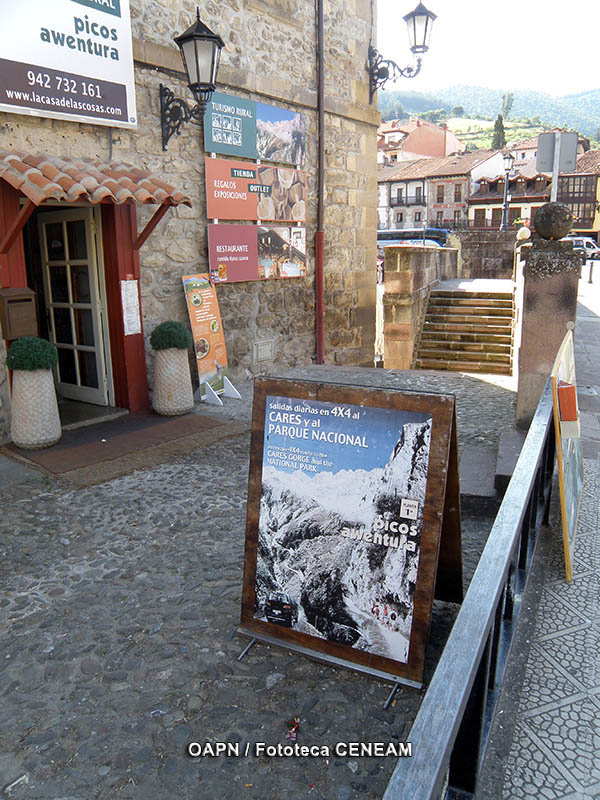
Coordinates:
(382,70)
(174,112)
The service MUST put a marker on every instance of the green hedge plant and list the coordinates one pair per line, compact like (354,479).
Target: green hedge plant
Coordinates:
(31,353)
(171,334)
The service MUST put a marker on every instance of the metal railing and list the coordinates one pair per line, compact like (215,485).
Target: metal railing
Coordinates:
(450,732)
(409,200)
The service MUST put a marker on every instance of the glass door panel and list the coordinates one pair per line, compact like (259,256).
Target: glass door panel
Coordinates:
(73,301)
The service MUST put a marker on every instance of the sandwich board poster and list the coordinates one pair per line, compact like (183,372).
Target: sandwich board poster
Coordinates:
(568,445)
(235,126)
(250,252)
(68,59)
(243,191)
(207,331)
(342,538)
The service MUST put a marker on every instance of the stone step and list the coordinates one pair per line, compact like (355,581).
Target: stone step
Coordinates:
(473,308)
(460,294)
(463,355)
(479,302)
(463,366)
(472,318)
(451,335)
(435,345)
(448,327)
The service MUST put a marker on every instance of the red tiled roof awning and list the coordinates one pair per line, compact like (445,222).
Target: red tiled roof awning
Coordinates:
(47,178)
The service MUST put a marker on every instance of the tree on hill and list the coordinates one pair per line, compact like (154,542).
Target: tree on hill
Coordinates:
(507,103)
(458,111)
(499,137)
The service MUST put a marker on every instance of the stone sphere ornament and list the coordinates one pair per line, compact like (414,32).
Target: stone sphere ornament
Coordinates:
(553,221)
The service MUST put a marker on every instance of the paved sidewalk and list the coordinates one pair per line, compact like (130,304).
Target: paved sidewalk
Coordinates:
(118,629)
(555,750)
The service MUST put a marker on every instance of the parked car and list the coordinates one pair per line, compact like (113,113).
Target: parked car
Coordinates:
(585,245)
(281,609)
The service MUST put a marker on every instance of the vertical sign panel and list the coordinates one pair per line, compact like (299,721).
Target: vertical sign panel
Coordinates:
(68,59)
(568,445)
(207,330)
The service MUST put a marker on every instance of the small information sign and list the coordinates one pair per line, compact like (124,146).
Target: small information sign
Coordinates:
(207,331)
(568,445)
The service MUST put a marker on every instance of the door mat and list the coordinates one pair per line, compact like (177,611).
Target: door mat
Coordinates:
(84,447)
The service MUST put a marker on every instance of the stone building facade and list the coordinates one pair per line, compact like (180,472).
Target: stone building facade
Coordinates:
(270,56)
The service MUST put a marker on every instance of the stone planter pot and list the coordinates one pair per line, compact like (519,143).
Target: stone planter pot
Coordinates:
(172,393)
(34,419)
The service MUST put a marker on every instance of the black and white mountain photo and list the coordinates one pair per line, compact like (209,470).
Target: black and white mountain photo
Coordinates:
(341,514)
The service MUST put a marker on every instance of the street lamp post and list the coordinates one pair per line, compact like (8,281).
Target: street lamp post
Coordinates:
(508,159)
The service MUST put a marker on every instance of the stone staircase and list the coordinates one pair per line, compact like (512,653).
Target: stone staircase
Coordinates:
(468,331)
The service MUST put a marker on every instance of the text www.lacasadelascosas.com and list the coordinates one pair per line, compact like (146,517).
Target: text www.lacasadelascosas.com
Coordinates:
(61,102)
(197,750)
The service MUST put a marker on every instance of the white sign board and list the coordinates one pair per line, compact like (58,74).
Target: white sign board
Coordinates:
(130,300)
(546,146)
(68,59)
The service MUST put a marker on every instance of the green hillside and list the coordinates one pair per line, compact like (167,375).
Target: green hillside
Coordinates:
(580,112)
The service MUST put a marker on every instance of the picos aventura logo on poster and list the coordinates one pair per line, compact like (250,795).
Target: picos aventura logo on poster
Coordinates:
(109,6)
(87,36)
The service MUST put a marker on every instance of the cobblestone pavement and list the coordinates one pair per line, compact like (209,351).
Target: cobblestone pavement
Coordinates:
(118,621)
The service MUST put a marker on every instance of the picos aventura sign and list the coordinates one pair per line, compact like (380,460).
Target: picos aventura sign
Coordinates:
(353,522)
(79,63)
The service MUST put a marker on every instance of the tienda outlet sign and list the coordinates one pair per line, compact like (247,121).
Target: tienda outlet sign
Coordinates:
(69,59)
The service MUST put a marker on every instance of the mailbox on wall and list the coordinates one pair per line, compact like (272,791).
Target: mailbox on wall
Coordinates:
(18,313)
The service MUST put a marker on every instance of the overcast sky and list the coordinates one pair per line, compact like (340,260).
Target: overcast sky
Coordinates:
(513,44)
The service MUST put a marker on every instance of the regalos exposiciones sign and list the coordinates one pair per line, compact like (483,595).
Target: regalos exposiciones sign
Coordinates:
(68,59)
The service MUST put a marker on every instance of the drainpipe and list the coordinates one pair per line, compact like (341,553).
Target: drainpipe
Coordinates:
(319,233)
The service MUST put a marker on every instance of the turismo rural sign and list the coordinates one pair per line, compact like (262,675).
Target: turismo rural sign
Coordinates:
(234,126)
(79,63)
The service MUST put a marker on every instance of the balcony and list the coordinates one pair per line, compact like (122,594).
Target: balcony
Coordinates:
(409,200)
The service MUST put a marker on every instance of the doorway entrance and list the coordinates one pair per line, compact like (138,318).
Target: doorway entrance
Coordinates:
(65,262)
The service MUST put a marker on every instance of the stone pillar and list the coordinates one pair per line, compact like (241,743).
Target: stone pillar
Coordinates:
(409,273)
(551,274)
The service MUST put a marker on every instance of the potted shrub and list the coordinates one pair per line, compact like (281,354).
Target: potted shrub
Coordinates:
(172,392)
(34,420)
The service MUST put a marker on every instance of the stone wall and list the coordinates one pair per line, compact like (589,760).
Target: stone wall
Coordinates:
(485,253)
(269,56)
(409,272)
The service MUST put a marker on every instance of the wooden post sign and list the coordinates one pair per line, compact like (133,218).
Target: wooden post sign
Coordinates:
(568,445)
(353,523)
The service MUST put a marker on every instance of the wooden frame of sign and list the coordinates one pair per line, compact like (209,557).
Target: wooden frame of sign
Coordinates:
(568,446)
(353,523)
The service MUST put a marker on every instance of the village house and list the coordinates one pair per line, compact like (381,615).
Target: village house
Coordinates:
(581,192)
(528,190)
(432,192)
(407,139)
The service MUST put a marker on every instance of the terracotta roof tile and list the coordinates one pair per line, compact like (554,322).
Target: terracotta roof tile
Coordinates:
(42,178)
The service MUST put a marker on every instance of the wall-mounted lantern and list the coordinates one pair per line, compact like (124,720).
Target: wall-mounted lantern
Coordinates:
(200,52)
(419,24)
